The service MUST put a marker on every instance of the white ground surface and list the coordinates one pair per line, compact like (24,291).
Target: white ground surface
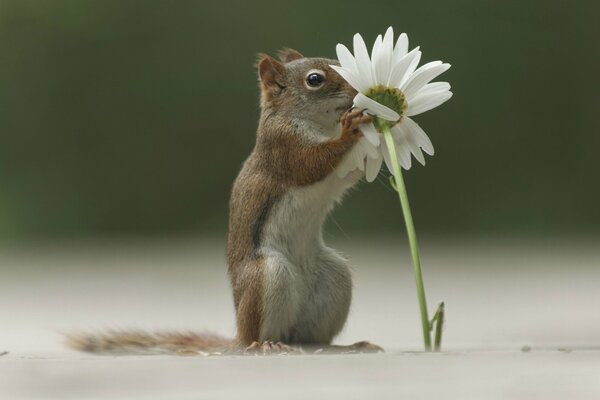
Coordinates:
(500,297)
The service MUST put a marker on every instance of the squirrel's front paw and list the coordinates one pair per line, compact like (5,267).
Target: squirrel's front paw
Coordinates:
(351,120)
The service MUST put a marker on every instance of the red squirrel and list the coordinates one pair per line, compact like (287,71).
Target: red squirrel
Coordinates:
(290,290)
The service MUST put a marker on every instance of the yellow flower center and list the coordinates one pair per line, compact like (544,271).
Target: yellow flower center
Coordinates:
(390,97)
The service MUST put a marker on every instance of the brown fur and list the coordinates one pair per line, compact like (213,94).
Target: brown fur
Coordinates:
(282,158)
(249,303)
(286,55)
(119,342)
(191,344)
(271,76)
(265,177)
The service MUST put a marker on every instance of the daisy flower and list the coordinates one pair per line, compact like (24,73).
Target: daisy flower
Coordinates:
(392,89)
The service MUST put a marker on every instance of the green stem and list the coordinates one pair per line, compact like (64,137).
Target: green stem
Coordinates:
(439,325)
(410,229)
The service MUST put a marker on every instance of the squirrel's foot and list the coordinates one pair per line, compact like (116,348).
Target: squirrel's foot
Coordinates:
(352,119)
(356,348)
(366,347)
(268,348)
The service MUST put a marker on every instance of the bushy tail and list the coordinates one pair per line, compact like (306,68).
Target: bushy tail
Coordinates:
(139,342)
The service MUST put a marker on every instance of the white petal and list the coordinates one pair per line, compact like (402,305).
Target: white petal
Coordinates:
(376,65)
(373,167)
(370,133)
(360,158)
(346,166)
(367,148)
(400,68)
(345,57)
(370,150)
(386,156)
(427,101)
(434,87)
(363,62)
(402,148)
(411,68)
(362,101)
(415,149)
(383,61)
(376,47)
(388,42)
(411,142)
(352,78)
(357,157)
(402,154)
(401,48)
(404,151)
(421,77)
(419,135)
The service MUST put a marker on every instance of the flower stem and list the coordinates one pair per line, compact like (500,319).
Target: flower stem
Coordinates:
(439,325)
(410,229)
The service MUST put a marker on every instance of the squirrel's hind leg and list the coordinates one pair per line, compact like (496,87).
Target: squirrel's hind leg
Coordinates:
(325,311)
(269,301)
(284,290)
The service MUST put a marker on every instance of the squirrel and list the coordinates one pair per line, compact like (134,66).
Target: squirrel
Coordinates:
(289,288)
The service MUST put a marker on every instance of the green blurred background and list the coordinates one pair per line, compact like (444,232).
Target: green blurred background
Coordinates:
(132,118)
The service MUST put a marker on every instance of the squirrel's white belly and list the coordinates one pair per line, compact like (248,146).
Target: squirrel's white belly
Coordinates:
(294,225)
(308,286)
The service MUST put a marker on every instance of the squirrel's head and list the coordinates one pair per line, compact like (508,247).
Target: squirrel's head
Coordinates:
(306,88)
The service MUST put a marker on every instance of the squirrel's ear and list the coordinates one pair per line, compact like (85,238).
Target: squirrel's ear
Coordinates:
(286,55)
(271,73)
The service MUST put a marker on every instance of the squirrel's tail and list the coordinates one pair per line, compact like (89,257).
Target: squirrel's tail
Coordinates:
(140,342)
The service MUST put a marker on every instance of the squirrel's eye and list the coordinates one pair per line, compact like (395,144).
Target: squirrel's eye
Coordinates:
(314,80)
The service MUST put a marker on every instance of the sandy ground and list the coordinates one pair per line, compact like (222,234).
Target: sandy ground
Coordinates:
(500,296)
